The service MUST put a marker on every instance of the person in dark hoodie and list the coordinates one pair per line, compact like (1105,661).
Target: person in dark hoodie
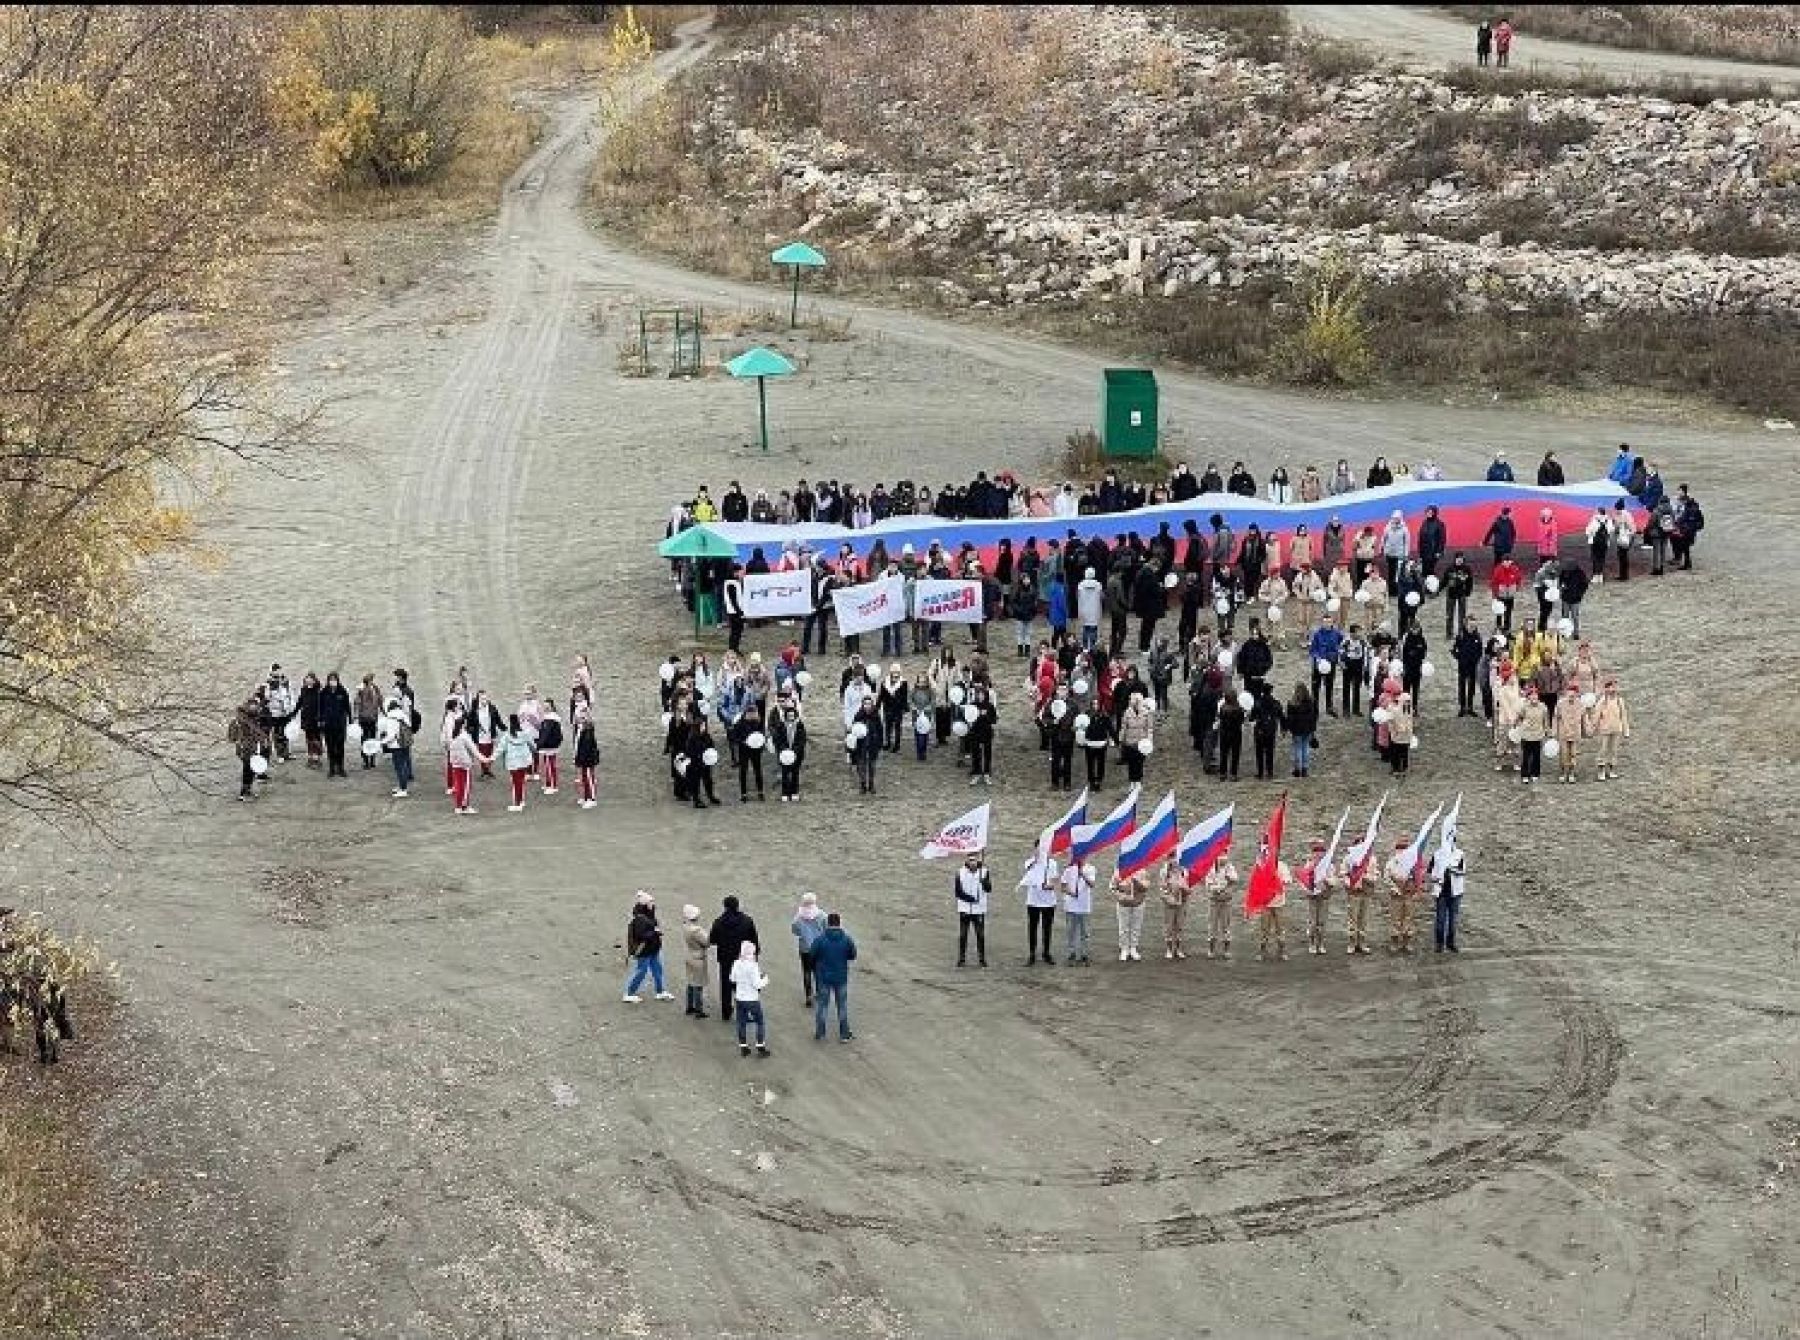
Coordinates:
(335,711)
(833,953)
(731,930)
(1433,540)
(1149,601)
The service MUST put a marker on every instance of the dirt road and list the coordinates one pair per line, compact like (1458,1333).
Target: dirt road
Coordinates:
(1417,35)
(382,1084)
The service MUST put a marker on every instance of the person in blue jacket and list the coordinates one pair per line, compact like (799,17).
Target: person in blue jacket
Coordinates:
(1621,466)
(833,953)
(1056,599)
(1326,643)
(1499,471)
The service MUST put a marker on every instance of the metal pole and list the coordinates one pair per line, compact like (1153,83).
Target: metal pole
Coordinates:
(794,311)
(762,410)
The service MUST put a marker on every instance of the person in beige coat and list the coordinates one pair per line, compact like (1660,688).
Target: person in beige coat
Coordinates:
(1534,729)
(1271,945)
(1129,895)
(1341,587)
(1356,905)
(1509,705)
(1218,882)
(1309,598)
(1405,889)
(1318,896)
(699,946)
(1609,723)
(1175,894)
(1566,728)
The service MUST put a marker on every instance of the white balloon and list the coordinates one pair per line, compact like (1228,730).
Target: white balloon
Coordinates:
(1224,658)
(1222,605)
(1145,747)
(1413,743)
(1171,581)
(710,757)
(1427,670)
(371,747)
(1323,666)
(849,741)
(1552,595)
(1088,872)
(1333,605)
(858,731)
(971,713)
(1432,584)
(1380,716)
(1412,599)
(1551,748)
(872,673)
(354,732)
(957,694)
(667,672)
(1079,688)
(1319,596)
(667,717)
(387,730)
(1245,701)
(1499,608)
(1598,579)
(1275,614)
(259,765)
(702,703)
(756,739)
(1362,597)
(1515,735)
(803,678)
(959,728)
(788,758)
(1566,627)
(1058,709)
(681,763)
(1082,721)
(894,670)
(922,724)
(1589,700)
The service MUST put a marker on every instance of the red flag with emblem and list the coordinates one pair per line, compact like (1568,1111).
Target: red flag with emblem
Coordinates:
(1265,879)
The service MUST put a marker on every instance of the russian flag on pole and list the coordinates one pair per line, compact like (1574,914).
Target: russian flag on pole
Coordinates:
(1152,841)
(1407,861)
(1205,843)
(1061,834)
(1356,860)
(1109,832)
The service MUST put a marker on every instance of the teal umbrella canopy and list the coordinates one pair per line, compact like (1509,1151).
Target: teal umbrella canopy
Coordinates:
(697,542)
(759,362)
(797,253)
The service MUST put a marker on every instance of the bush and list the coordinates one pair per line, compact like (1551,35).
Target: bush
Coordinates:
(385,94)
(1257,31)
(1325,59)
(1331,347)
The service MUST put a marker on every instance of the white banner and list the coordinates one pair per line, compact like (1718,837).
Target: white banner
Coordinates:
(936,600)
(777,595)
(871,605)
(961,836)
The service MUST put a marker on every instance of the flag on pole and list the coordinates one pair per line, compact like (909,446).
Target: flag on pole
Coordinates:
(1447,836)
(960,836)
(1204,843)
(1153,841)
(1087,839)
(1356,860)
(1309,877)
(1061,833)
(1265,878)
(1406,860)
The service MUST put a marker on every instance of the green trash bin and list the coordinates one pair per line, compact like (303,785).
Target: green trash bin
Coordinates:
(1128,412)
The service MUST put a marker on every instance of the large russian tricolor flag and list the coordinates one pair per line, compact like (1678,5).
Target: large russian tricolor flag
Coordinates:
(1109,832)
(1060,835)
(1152,841)
(1205,843)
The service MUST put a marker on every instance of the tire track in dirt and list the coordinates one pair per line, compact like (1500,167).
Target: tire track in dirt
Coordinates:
(1585,1067)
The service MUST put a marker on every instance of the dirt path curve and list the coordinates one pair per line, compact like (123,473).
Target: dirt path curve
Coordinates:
(1417,35)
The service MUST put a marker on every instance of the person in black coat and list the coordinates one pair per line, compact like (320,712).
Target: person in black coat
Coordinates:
(1255,659)
(789,734)
(1433,540)
(1149,601)
(1265,727)
(335,711)
(1467,650)
(1301,720)
(1231,735)
(699,772)
(731,931)
(1413,649)
(749,756)
(1549,471)
(1203,713)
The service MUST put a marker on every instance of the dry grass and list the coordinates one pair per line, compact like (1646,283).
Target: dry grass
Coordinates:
(39,1183)
(1735,32)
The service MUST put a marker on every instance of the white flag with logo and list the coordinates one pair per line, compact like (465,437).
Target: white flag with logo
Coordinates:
(960,836)
(937,600)
(871,605)
(778,595)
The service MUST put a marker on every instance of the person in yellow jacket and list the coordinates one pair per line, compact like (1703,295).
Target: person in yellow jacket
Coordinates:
(1609,723)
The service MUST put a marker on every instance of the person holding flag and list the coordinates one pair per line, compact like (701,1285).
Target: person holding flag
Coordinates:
(1358,862)
(1128,894)
(1318,879)
(1405,872)
(1447,868)
(1266,893)
(1039,883)
(1218,881)
(972,886)
(1175,893)
(1078,905)
(1139,851)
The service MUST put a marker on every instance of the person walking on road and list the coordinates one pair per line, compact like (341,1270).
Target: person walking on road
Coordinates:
(1484,42)
(833,953)
(643,945)
(747,983)
(1503,40)
(694,940)
(731,931)
(808,925)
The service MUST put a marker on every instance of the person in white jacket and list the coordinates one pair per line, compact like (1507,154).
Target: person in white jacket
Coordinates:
(1078,906)
(747,983)
(1090,601)
(1039,885)
(1066,503)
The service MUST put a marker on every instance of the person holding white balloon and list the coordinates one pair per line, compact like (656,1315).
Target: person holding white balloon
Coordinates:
(1058,718)
(251,740)
(749,739)
(981,716)
(789,733)
(1137,726)
(1413,651)
(1093,732)
(697,749)
(1274,593)
(921,707)
(863,737)
(1458,585)
(1372,596)
(1230,722)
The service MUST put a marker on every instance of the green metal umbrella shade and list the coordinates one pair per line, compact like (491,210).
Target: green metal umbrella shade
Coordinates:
(797,256)
(697,542)
(761,364)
